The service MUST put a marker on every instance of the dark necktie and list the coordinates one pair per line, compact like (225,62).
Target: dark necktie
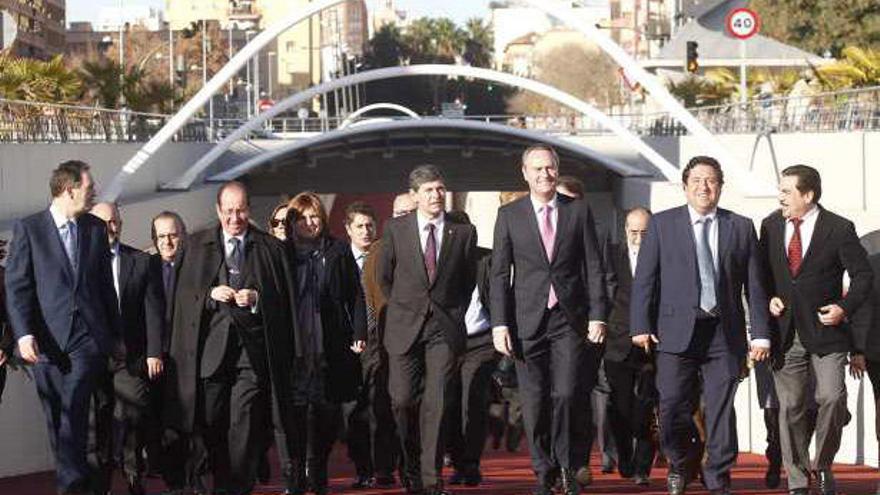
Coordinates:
(795,248)
(233,264)
(431,254)
(167,279)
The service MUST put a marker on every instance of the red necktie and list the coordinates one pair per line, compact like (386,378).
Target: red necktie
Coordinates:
(431,254)
(795,248)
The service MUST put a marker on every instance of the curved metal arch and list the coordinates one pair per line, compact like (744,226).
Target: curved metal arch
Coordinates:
(377,106)
(749,181)
(112,192)
(616,166)
(189,177)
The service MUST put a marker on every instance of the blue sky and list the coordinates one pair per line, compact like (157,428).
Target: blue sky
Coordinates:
(458,10)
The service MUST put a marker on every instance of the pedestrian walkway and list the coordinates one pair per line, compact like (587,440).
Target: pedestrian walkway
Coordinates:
(510,474)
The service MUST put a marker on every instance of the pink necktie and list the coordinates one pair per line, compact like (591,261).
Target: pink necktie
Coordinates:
(547,236)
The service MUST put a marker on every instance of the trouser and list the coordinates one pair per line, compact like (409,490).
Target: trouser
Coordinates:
(121,402)
(632,398)
(370,431)
(678,385)
(419,385)
(601,431)
(792,384)
(555,377)
(65,382)
(235,413)
(468,412)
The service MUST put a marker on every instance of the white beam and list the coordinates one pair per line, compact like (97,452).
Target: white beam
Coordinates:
(667,169)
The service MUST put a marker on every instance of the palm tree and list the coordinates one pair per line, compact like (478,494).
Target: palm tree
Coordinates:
(858,68)
(37,80)
(478,44)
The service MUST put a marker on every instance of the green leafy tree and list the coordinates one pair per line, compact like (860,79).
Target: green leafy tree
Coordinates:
(30,79)
(857,69)
(821,25)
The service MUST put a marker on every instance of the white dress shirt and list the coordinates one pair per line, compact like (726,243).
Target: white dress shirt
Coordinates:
(713,247)
(359,257)
(633,252)
(227,249)
(713,231)
(422,222)
(808,225)
(539,213)
(476,318)
(114,263)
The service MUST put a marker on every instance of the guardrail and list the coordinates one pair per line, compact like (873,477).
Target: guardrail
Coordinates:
(849,110)
(30,122)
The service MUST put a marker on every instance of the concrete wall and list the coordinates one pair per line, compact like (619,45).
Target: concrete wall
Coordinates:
(847,162)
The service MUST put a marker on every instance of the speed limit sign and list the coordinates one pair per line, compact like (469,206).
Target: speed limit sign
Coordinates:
(743,23)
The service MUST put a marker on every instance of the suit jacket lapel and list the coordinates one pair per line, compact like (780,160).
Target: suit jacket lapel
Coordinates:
(56,244)
(725,235)
(686,233)
(126,265)
(445,246)
(563,214)
(415,242)
(821,231)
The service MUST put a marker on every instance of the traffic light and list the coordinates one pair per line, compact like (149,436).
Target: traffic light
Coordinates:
(692,63)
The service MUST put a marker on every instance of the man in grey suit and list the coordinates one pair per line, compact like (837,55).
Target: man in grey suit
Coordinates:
(693,267)
(427,273)
(547,282)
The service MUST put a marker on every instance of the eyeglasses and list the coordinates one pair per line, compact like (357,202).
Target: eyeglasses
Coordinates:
(277,222)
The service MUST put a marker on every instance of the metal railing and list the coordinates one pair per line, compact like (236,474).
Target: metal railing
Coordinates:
(31,122)
(849,110)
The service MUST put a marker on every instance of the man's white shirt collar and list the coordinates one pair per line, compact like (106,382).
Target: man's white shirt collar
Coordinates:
(58,217)
(695,217)
(809,216)
(539,207)
(423,221)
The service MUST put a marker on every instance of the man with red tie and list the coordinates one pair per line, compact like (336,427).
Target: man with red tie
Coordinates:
(807,249)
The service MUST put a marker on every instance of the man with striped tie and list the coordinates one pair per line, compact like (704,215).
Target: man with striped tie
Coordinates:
(807,249)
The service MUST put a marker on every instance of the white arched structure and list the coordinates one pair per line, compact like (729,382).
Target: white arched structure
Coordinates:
(189,177)
(616,166)
(750,182)
(377,106)
(112,192)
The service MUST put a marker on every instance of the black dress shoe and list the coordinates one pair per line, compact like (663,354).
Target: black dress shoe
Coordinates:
(360,482)
(584,476)
(473,479)
(570,485)
(457,478)
(437,490)
(773,478)
(641,480)
(135,485)
(384,481)
(675,483)
(720,491)
(799,491)
(413,486)
(825,482)
(542,489)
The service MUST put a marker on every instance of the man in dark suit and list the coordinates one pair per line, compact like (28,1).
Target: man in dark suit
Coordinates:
(427,275)
(64,313)
(692,269)
(807,249)
(233,337)
(182,460)
(866,343)
(545,244)
(629,370)
(467,415)
(122,401)
(5,331)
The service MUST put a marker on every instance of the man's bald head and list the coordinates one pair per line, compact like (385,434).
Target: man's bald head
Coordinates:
(109,213)
(402,205)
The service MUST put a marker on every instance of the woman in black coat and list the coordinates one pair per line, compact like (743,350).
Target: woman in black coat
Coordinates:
(331,310)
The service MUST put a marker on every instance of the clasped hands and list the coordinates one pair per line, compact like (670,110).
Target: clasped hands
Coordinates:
(243,298)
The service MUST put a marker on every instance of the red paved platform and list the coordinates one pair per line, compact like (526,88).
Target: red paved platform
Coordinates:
(510,474)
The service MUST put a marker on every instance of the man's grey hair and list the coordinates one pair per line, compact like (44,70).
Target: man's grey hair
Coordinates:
(535,148)
(424,174)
